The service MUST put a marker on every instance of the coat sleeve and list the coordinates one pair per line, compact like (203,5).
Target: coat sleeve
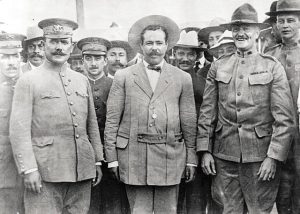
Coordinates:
(115,108)
(283,113)
(188,119)
(92,127)
(208,112)
(20,125)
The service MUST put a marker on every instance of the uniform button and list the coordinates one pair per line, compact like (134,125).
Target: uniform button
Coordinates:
(96,89)
(74,113)
(243,62)
(71,103)
(151,124)
(160,138)
(96,98)
(62,75)
(96,108)
(239,93)
(69,80)
(19,155)
(154,116)
(241,76)
(66,84)
(68,93)
(77,136)
(240,126)
(140,137)
(75,124)
(238,109)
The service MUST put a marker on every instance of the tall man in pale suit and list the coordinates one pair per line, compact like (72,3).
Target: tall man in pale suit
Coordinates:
(151,121)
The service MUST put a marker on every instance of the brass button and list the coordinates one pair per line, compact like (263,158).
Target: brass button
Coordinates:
(239,93)
(96,98)
(238,109)
(240,126)
(77,136)
(74,113)
(75,124)
(66,84)
(71,103)
(68,93)
(62,75)
(151,124)
(160,138)
(154,116)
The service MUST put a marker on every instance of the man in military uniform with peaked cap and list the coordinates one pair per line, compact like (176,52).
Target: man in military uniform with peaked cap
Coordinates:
(11,184)
(288,53)
(246,121)
(54,131)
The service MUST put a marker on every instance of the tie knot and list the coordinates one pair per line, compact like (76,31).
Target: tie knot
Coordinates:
(154,67)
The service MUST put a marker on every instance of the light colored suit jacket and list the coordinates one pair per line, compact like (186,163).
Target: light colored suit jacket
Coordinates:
(53,125)
(151,134)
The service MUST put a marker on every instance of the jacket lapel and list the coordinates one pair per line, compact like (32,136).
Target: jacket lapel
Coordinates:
(163,82)
(141,79)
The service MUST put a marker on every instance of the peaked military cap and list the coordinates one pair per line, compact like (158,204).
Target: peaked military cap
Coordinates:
(134,36)
(245,14)
(125,45)
(11,43)
(94,46)
(58,28)
(287,6)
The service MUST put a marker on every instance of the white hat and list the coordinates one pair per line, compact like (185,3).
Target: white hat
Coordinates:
(226,38)
(188,40)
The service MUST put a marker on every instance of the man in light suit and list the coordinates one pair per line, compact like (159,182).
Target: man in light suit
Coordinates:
(151,121)
(54,131)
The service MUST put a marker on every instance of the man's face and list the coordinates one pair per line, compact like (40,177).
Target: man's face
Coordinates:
(185,58)
(154,46)
(116,59)
(245,36)
(77,65)
(10,65)
(36,52)
(226,49)
(94,64)
(213,37)
(288,26)
(58,50)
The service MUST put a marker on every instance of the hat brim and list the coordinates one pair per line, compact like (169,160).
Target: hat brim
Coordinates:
(10,50)
(275,13)
(260,25)
(134,36)
(33,39)
(190,46)
(204,32)
(125,45)
(92,52)
(86,40)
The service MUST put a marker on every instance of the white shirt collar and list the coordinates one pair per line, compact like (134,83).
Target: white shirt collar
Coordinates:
(160,64)
(31,65)
(202,60)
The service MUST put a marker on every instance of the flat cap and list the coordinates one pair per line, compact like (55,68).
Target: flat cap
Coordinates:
(94,45)
(11,43)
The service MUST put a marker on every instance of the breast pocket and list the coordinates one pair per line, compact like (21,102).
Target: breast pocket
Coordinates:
(49,95)
(223,79)
(260,87)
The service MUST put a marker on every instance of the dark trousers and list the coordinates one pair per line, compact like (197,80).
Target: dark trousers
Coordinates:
(237,184)
(109,197)
(195,197)
(152,199)
(284,195)
(57,198)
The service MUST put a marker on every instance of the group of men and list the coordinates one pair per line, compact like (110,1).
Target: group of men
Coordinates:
(170,121)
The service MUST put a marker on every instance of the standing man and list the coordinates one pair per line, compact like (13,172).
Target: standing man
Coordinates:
(11,185)
(186,52)
(150,126)
(118,56)
(34,48)
(246,121)
(54,131)
(288,53)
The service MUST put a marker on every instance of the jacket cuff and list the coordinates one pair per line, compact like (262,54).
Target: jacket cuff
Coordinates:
(204,144)
(277,153)
(192,157)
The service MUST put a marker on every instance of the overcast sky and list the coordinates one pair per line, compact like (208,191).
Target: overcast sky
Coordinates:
(18,14)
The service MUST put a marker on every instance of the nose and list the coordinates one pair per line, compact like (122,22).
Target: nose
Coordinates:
(117,58)
(93,62)
(184,57)
(36,49)
(11,60)
(59,46)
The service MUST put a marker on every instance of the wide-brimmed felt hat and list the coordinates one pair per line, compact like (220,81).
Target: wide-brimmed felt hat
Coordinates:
(286,6)
(125,45)
(94,46)
(189,39)
(245,14)
(134,36)
(58,28)
(272,9)
(214,25)
(34,33)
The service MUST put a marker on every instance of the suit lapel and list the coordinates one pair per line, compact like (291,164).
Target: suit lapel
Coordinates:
(163,82)
(141,79)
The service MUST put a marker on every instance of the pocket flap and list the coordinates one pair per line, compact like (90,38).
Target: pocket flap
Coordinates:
(223,77)
(4,112)
(50,94)
(260,79)
(263,131)
(122,142)
(82,94)
(42,141)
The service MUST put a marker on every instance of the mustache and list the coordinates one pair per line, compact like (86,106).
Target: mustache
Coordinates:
(11,68)
(59,52)
(242,37)
(185,62)
(36,55)
(118,64)
(155,53)
(94,67)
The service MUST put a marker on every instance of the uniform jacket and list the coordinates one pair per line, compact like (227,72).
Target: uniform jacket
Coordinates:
(246,109)
(151,134)
(100,90)
(9,176)
(53,125)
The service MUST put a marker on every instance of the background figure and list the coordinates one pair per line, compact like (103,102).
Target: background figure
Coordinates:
(224,47)
(75,60)
(34,48)
(11,184)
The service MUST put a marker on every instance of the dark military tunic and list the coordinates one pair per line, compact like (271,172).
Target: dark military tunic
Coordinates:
(109,196)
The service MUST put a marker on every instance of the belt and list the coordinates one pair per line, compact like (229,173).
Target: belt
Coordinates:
(157,138)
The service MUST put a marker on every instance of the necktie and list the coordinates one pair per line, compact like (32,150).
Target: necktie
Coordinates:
(155,68)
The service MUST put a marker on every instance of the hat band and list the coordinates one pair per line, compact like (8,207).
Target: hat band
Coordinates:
(10,44)
(58,30)
(249,21)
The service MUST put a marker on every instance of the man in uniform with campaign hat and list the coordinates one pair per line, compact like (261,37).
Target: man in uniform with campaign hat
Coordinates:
(11,185)
(246,122)
(75,60)
(119,54)
(54,131)
(34,48)
(288,53)
(151,121)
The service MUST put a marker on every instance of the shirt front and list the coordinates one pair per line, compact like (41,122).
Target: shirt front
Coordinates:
(153,75)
